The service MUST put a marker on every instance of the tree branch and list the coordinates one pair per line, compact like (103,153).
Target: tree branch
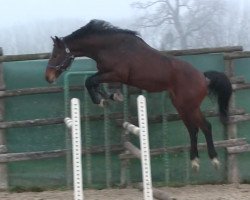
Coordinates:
(141,5)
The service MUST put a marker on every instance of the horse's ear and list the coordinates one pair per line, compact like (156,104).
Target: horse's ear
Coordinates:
(54,39)
(57,41)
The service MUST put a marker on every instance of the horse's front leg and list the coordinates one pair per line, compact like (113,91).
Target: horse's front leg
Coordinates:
(97,94)
(116,96)
(92,86)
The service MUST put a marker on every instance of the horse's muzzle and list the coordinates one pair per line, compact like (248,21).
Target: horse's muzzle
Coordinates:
(51,75)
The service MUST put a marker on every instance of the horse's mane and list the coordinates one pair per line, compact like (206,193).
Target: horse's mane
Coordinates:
(99,27)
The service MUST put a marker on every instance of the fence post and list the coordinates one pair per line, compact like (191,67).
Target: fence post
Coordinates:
(231,132)
(125,163)
(3,149)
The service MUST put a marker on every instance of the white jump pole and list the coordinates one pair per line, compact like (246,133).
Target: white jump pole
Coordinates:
(75,124)
(144,144)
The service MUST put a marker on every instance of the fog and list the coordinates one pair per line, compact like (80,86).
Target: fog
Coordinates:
(27,25)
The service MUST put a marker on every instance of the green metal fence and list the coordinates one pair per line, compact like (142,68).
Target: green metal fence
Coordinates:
(102,134)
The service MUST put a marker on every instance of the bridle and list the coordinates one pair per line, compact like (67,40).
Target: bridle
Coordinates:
(67,60)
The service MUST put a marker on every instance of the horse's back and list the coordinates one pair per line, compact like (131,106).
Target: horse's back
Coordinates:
(148,69)
(175,75)
(160,72)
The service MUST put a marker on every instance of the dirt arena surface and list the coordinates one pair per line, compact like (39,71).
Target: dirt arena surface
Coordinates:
(203,192)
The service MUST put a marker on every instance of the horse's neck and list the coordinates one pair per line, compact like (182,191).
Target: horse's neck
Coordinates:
(89,47)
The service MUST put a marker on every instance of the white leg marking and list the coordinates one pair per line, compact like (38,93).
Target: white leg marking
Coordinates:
(195,164)
(215,163)
(103,103)
(118,96)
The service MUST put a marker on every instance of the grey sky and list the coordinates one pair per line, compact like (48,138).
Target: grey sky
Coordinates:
(24,23)
(21,11)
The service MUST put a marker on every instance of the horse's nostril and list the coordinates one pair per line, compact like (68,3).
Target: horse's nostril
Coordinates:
(50,78)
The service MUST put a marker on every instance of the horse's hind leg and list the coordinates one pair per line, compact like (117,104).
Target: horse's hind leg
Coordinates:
(206,128)
(193,121)
(197,117)
(193,133)
(189,117)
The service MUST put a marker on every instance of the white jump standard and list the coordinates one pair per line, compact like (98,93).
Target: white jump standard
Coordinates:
(75,124)
(144,153)
(142,132)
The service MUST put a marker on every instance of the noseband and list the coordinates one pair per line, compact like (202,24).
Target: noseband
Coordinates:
(68,59)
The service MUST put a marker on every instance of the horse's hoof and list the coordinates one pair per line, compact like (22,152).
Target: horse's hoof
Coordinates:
(118,96)
(215,163)
(195,164)
(103,103)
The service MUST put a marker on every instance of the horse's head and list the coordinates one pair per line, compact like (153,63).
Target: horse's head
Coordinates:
(60,60)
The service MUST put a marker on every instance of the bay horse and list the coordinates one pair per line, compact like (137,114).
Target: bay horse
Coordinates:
(123,57)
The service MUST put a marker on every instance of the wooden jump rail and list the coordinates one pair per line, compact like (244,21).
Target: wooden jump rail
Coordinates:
(11,58)
(236,115)
(203,51)
(237,55)
(13,157)
(238,84)
(41,90)
(229,144)
(24,57)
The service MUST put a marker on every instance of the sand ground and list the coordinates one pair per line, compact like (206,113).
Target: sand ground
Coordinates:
(199,192)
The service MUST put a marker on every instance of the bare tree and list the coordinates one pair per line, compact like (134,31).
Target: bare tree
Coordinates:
(180,20)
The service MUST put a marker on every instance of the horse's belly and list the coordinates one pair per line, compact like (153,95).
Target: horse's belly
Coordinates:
(150,86)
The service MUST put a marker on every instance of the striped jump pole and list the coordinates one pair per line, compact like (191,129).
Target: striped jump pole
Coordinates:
(74,123)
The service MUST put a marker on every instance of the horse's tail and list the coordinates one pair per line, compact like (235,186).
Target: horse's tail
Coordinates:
(220,85)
